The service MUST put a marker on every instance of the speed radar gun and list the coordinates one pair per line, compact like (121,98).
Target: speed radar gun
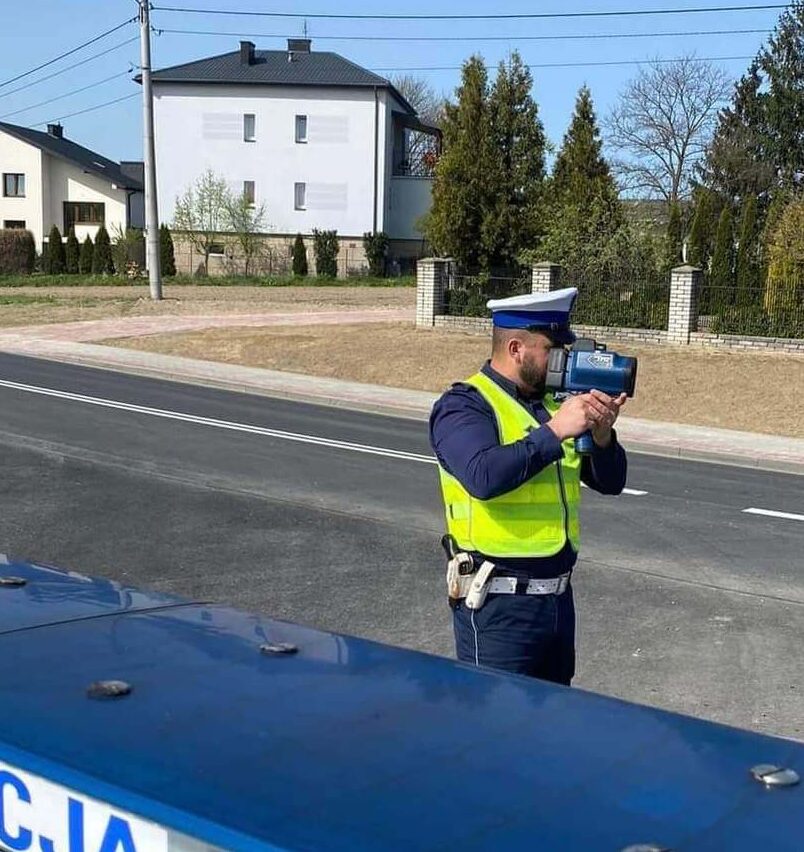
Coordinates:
(586,366)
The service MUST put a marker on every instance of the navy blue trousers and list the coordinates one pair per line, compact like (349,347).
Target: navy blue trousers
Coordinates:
(528,634)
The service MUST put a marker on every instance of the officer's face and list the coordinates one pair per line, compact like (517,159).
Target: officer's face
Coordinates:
(533,357)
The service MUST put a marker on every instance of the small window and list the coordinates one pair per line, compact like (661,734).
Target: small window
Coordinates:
(83,213)
(249,127)
(217,249)
(14,185)
(248,191)
(14,224)
(300,196)
(301,128)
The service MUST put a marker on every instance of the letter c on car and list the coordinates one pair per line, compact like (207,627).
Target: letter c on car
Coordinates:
(22,840)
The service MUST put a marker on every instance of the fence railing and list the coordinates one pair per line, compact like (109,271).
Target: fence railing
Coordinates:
(775,310)
(623,302)
(466,295)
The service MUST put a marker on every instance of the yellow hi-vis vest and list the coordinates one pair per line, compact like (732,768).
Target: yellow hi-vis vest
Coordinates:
(537,518)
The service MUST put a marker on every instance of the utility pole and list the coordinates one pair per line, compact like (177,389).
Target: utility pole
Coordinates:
(149,156)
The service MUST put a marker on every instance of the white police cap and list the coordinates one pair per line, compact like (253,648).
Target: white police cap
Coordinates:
(549,312)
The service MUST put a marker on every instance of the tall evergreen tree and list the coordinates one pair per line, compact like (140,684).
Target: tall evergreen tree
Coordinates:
(167,252)
(699,244)
(55,252)
(85,258)
(585,213)
(299,257)
(102,263)
(748,252)
(517,177)
(674,236)
(463,176)
(71,253)
(721,276)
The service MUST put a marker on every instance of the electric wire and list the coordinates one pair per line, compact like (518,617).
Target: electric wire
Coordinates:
(67,53)
(65,95)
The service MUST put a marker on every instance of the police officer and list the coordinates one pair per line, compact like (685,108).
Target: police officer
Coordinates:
(511,480)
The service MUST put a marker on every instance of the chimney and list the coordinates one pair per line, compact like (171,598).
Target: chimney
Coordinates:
(298,45)
(55,130)
(246,52)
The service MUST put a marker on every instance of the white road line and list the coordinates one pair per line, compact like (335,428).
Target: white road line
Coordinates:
(633,492)
(771,513)
(236,427)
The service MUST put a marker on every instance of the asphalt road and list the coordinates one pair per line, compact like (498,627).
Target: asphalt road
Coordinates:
(332,518)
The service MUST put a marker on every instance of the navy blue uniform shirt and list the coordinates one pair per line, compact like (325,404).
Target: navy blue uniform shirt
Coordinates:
(464,437)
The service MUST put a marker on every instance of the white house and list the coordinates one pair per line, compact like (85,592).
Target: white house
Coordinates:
(319,140)
(49,180)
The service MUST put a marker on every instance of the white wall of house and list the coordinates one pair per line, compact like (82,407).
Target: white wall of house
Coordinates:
(18,157)
(68,182)
(200,127)
(409,199)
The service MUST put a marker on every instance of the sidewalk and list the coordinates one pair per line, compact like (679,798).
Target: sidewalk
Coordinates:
(67,343)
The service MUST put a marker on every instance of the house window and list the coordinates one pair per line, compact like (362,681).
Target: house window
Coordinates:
(248,191)
(301,128)
(14,223)
(217,249)
(300,196)
(13,185)
(249,127)
(83,213)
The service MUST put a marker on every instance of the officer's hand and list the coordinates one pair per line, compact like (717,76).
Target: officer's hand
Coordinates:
(595,411)
(601,431)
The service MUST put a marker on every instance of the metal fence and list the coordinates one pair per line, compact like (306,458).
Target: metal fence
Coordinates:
(466,295)
(624,302)
(775,310)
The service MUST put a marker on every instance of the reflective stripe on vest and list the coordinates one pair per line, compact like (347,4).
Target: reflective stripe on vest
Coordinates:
(533,520)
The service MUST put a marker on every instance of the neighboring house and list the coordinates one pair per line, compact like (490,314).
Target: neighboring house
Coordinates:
(322,142)
(49,180)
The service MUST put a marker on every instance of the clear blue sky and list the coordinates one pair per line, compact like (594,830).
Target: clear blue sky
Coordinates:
(37,30)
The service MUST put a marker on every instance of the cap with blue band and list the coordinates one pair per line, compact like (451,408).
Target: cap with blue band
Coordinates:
(548,312)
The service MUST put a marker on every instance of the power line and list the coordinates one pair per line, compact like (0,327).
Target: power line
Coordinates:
(574,64)
(572,37)
(488,17)
(68,53)
(68,68)
(91,109)
(66,94)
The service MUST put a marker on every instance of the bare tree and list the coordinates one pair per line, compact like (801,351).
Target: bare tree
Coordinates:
(429,106)
(247,220)
(201,213)
(662,124)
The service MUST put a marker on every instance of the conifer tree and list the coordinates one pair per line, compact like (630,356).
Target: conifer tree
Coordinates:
(721,275)
(102,263)
(748,252)
(674,236)
(85,258)
(71,253)
(167,253)
(517,171)
(699,245)
(299,257)
(462,189)
(55,252)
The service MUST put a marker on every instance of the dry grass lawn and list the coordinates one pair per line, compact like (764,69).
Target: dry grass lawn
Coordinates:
(38,305)
(761,393)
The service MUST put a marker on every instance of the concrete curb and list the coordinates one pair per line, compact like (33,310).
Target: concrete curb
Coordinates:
(669,440)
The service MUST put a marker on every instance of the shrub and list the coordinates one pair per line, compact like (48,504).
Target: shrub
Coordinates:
(376,247)
(128,252)
(299,257)
(326,247)
(85,258)
(17,252)
(102,263)
(54,263)
(72,253)
(167,253)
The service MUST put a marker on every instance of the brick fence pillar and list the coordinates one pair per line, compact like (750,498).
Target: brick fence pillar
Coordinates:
(546,276)
(685,282)
(431,282)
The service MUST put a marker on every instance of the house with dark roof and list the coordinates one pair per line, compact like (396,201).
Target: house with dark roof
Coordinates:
(50,180)
(321,142)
